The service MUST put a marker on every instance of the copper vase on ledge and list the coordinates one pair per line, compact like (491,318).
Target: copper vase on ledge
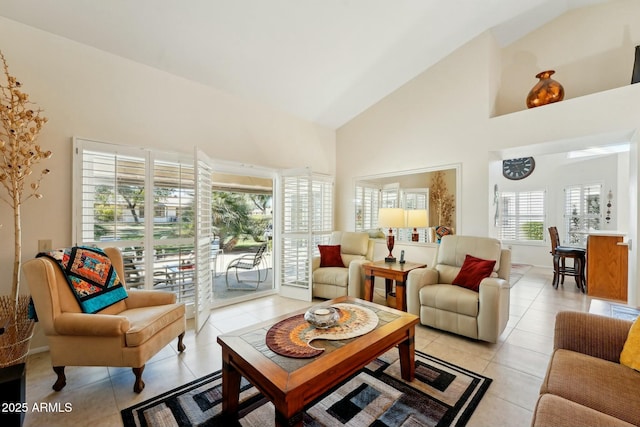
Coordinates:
(546,91)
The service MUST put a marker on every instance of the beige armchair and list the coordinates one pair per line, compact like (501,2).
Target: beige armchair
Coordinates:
(480,315)
(356,249)
(127,333)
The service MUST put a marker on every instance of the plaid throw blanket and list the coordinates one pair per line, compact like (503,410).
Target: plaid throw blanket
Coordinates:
(90,275)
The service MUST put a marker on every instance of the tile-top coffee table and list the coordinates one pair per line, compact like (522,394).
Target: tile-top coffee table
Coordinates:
(291,383)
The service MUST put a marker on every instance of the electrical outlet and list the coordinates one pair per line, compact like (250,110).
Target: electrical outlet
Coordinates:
(45,245)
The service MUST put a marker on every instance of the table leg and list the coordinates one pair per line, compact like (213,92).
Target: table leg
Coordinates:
(401,302)
(230,387)
(368,287)
(294,421)
(407,356)
(388,287)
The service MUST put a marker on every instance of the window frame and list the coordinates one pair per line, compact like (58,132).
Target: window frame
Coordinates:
(577,236)
(519,219)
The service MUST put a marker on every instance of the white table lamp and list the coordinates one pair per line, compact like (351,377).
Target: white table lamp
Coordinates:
(391,218)
(417,218)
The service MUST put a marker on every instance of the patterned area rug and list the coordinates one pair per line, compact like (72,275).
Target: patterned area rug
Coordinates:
(442,394)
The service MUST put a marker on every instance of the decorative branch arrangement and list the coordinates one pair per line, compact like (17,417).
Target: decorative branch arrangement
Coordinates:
(19,154)
(440,198)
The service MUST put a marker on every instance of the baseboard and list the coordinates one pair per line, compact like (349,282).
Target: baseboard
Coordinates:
(38,350)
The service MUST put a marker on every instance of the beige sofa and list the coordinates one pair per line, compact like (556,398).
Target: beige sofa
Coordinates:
(585,384)
(479,315)
(127,333)
(356,249)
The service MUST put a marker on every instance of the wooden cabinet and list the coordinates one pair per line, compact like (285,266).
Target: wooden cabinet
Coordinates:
(607,258)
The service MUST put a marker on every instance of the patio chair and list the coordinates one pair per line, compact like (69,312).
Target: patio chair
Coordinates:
(248,262)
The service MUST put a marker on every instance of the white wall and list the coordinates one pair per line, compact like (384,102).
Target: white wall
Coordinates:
(445,114)
(552,173)
(92,94)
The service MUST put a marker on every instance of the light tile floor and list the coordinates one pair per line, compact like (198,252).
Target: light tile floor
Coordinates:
(517,363)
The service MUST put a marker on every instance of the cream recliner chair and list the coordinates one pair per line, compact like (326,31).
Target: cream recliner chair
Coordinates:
(356,249)
(127,333)
(480,315)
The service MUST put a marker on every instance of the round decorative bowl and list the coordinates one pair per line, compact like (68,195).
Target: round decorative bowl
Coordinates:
(322,317)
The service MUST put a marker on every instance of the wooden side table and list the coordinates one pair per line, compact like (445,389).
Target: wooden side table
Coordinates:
(390,271)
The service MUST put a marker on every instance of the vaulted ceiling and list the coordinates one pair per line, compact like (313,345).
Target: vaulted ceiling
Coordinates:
(323,60)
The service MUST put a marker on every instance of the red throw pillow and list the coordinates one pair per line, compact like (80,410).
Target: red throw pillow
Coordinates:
(330,256)
(473,271)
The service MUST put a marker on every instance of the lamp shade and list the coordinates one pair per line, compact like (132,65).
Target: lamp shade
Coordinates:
(391,217)
(417,218)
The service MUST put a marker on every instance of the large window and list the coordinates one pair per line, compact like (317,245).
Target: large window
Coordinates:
(143,203)
(522,216)
(581,212)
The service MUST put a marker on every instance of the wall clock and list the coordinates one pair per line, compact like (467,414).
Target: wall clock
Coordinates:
(518,168)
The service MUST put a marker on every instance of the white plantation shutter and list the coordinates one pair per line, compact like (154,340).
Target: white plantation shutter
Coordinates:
(367,205)
(109,203)
(415,198)
(203,231)
(390,196)
(306,220)
(581,212)
(322,210)
(173,233)
(295,238)
(522,216)
(142,202)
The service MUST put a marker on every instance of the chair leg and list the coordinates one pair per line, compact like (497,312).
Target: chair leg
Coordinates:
(138,386)
(226,277)
(580,279)
(556,271)
(181,346)
(260,279)
(62,379)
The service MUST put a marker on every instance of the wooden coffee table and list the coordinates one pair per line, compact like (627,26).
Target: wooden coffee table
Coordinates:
(292,384)
(390,271)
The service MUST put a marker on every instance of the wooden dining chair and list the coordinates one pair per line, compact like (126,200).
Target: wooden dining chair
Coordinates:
(560,254)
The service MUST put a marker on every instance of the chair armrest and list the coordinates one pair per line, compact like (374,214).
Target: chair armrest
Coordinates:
(493,313)
(416,280)
(147,298)
(591,334)
(494,282)
(315,263)
(355,287)
(84,324)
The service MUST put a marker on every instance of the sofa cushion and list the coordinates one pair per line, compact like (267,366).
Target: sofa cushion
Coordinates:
(454,249)
(330,256)
(148,321)
(354,243)
(630,355)
(473,271)
(555,411)
(450,298)
(604,386)
(338,276)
